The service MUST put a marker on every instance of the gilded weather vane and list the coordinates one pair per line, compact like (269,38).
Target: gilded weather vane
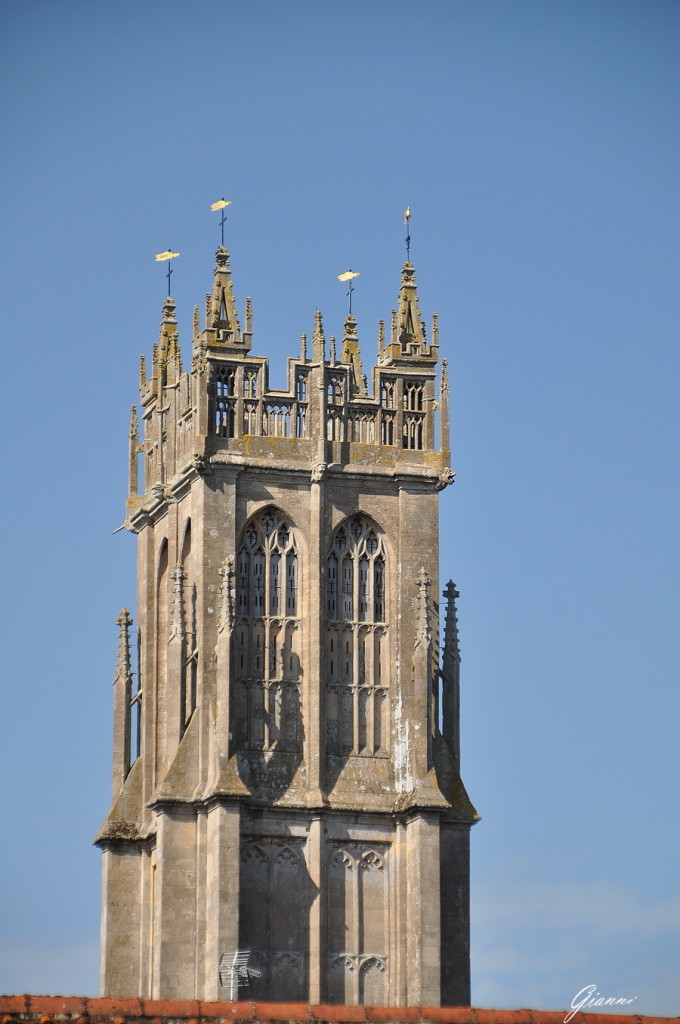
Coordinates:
(407,217)
(347,276)
(168,255)
(222,205)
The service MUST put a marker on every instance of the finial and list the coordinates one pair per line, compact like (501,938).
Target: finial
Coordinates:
(444,382)
(435,329)
(197,324)
(142,372)
(222,205)
(407,217)
(303,348)
(349,275)
(133,452)
(332,350)
(381,340)
(169,312)
(221,260)
(208,298)
(318,339)
(451,642)
(162,257)
(123,664)
(249,315)
(351,354)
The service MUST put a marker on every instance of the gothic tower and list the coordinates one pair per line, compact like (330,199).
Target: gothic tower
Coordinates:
(286,758)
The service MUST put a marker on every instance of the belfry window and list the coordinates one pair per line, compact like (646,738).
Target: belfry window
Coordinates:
(224,411)
(357,660)
(250,383)
(413,396)
(267,637)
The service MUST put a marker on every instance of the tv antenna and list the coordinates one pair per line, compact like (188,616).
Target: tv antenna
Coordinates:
(222,205)
(168,255)
(234,969)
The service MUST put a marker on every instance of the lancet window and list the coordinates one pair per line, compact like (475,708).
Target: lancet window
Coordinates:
(250,417)
(387,428)
(276,420)
(224,415)
(336,390)
(267,636)
(301,409)
(357,661)
(362,426)
(250,384)
(413,395)
(387,394)
(413,431)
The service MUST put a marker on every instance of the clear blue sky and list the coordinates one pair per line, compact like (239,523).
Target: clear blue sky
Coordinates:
(538,146)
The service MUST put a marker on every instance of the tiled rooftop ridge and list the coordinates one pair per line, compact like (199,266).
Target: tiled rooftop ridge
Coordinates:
(82,1010)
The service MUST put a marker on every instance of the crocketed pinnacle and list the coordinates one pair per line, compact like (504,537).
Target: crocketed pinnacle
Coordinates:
(168,358)
(222,321)
(351,355)
(408,338)
(318,339)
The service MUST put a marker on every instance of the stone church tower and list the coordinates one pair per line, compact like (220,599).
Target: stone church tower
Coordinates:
(286,757)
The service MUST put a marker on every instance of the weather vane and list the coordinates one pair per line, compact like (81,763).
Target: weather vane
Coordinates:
(221,204)
(407,217)
(347,276)
(168,255)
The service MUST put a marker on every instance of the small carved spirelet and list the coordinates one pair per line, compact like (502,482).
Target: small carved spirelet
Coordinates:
(444,385)
(227,595)
(423,581)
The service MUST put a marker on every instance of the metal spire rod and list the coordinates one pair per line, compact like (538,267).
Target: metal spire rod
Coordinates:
(222,205)
(347,276)
(168,255)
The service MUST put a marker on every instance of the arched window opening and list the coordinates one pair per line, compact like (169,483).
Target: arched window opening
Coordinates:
(356,641)
(250,384)
(387,394)
(223,384)
(267,647)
